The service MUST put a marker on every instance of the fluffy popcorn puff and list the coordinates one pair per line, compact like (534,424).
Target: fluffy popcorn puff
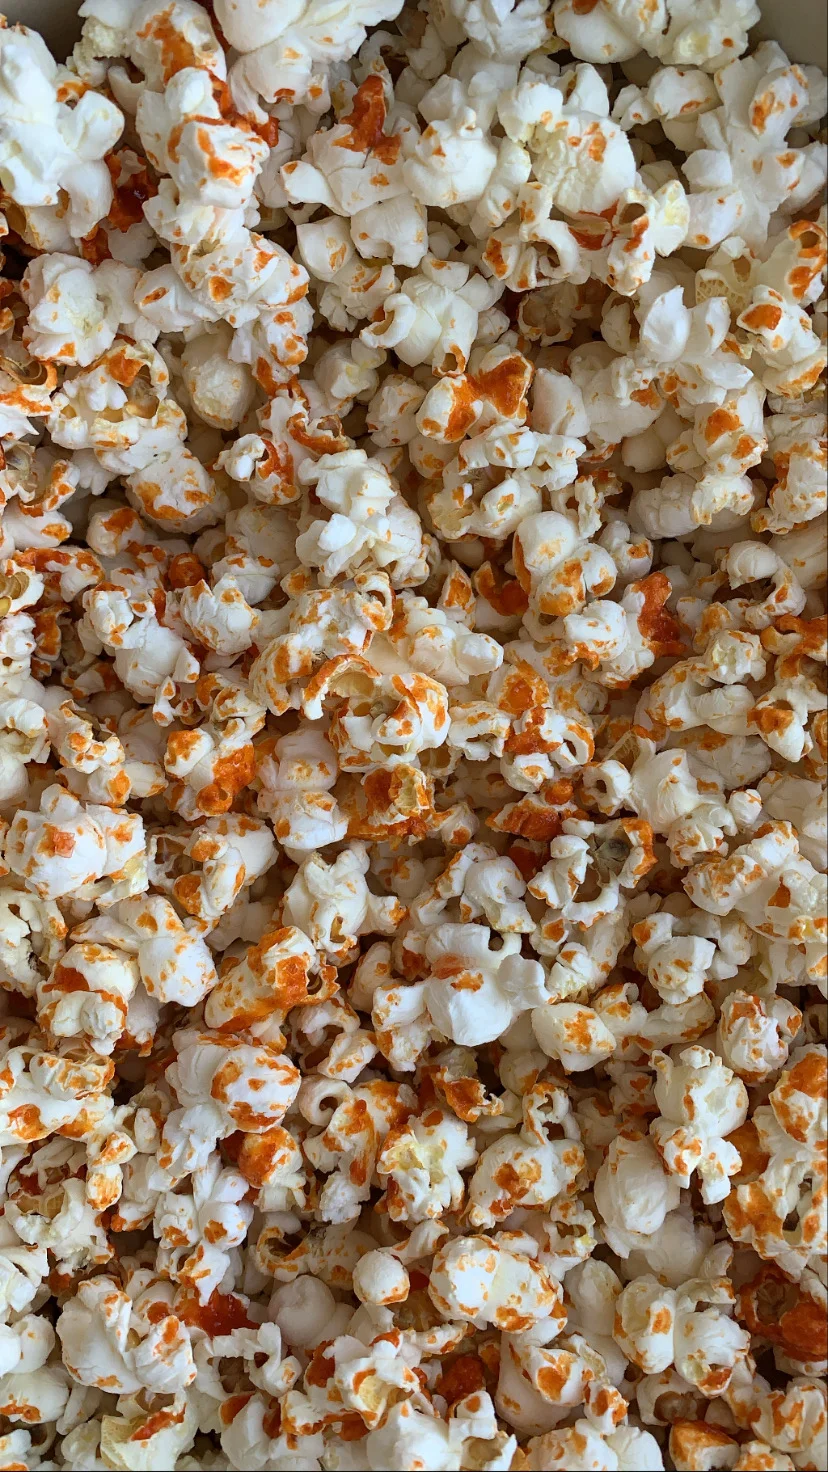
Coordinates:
(95,1330)
(69,847)
(578,154)
(371,526)
(483,1281)
(333,905)
(574,1035)
(75,311)
(749,883)
(263,984)
(527,1169)
(744,152)
(789,1132)
(754,1033)
(420,1165)
(675,32)
(296,793)
(633,1192)
(49,146)
(412,738)
(658,1326)
(700,1102)
(473,993)
(559,574)
(173,961)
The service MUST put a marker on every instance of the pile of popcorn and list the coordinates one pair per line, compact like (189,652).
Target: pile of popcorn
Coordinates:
(413,739)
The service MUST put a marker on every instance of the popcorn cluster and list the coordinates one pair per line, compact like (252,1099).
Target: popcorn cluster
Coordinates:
(413,739)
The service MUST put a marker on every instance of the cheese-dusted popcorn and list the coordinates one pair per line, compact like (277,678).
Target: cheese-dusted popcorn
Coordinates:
(75,311)
(527,1169)
(173,961)
(333,904)
(473,992)
(482,1280)
(68,847)
(754,1033)
(700,1102)
(412,738)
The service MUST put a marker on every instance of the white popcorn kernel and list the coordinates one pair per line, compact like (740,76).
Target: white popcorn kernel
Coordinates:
(482,1281)
(74,311)
(645,1316)
(176,491)
(556,570)
(219,617)
(333,905)
(528,1169)
(94,1330)
(221,391)
(633,1192)
(451,163)
(700,1102)
(57,850)
(754,1033)
(173,961)
(421,1164)
(296,796)
(473,993)
(49,146)
(574,1035)
(87,994)
(380,1278)
(371,526)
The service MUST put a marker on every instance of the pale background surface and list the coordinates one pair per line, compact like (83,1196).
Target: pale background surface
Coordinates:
(801,26)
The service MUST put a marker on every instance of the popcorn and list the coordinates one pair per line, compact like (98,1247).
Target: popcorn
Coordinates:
(452,161)
(699,1105)
(265,983)
(787,1132)
(333,905)
(412,738)
(762,96)
(75,311)
(173,962)
(749,883)
(95,1329)
(574,1035)
(434,316)
(221,391)
(560,1448)
(122,378)
(579,156)
(481,1280)
(559,575)
(49,146)
(472,992)
(219,617)
(527,1169)
(754,1034)
(633,1192)
(185,136)
(31,939)
(278,61)
(371,527)
(69,847)
(296,782)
